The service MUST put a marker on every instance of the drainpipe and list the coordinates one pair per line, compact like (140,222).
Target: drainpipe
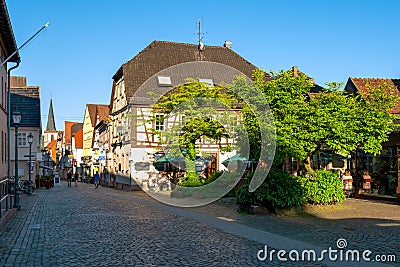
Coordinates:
(9,118)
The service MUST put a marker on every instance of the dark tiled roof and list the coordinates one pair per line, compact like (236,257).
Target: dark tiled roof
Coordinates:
(6,32)
(316,89)
(160,55)
(28,105)
(29,91)
(76,127)
(217,72)
(364,85)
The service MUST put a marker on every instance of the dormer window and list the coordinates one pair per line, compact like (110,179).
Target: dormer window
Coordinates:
(164,81)
(207,81)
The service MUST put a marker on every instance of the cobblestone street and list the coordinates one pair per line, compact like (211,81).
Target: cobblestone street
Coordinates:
(83,226)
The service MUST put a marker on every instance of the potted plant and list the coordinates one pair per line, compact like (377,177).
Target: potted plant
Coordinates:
(48,182)
(41,181)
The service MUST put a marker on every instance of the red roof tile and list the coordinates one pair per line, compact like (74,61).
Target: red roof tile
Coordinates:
(97,110)
(53,143)
(364,85)
(67,131)
(79,138)
(102,111)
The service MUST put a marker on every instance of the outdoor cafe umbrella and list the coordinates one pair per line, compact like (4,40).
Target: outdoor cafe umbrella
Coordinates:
(176,161)
(236,157)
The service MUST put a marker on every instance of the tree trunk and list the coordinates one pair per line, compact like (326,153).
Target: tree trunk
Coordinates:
(307,165)
(190,158)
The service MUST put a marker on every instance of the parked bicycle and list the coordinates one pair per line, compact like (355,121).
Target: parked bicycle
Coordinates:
(23,186)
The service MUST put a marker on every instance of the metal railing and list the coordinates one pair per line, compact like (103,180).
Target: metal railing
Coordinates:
(6,194)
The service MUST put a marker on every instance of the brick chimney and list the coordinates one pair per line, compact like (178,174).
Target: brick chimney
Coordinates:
(295,71)
(17,82)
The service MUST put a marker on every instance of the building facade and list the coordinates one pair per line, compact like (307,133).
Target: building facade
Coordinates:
(7,47)
(77,147)
(158,69)
(94,113)
(383,168)
(26,100)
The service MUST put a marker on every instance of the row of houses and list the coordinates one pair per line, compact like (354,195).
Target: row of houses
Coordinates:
(116,139)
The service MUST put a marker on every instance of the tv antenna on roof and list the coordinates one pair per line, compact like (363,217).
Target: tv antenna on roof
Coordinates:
(200,35)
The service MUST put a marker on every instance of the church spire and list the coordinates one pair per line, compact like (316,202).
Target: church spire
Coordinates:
(51,125)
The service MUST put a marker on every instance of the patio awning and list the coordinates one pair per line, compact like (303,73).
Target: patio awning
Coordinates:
(167,159)
(236,157)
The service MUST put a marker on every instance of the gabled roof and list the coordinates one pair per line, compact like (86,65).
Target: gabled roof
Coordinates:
(160,55)
(52,147)
(102,111)
(52,144)
(76,127)
(97,110)
(77,133)
(7,34)
(26,99)
(67,131)
(362,86)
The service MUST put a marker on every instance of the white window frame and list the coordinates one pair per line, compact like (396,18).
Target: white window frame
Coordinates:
(22,141)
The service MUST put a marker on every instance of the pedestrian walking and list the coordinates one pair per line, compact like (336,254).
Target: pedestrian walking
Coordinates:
(76,176)
(69,178)
(96,179)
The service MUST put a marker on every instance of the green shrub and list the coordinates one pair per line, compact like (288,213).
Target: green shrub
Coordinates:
(212,190)
(214,176)
(279,189)
(220,184)
(190,180)
(324,188)
(243,196)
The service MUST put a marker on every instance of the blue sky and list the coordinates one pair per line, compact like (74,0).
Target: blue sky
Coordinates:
(73,60)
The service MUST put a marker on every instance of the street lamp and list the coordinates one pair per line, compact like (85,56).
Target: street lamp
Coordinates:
(30,141)
(16,120)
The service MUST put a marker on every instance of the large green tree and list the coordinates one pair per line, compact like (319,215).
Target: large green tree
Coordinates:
(333,119)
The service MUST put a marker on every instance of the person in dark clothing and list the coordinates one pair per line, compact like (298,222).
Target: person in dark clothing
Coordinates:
(69,178)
